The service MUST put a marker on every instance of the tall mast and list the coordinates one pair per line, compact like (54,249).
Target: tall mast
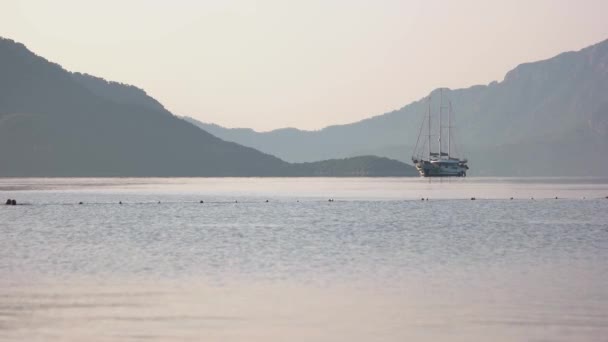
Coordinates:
(449,127)
(440,112)
(429,113)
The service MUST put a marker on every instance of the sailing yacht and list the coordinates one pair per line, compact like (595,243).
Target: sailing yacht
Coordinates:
(432,159)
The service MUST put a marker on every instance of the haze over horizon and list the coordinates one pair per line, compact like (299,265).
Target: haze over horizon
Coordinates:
(308,65)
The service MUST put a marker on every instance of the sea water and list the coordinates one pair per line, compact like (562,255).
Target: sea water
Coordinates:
(255,259)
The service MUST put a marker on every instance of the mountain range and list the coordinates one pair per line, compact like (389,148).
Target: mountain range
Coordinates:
(59,123)
(546,118)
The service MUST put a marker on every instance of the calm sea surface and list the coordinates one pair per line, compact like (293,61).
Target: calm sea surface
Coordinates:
(376,264)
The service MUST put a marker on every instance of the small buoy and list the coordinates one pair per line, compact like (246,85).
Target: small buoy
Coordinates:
(532,198)
(236,201)
(472,198)
(427,198)
(120,202)
(555,197)
(202,201)
(79,202)
(422,199)
(158,202)
(511,198)
(266,201)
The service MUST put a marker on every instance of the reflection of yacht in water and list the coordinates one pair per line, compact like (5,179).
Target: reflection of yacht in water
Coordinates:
(430,156)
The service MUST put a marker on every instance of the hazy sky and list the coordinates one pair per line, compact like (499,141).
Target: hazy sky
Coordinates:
(305,64)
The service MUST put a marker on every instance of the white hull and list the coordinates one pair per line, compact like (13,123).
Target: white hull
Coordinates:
(451,168)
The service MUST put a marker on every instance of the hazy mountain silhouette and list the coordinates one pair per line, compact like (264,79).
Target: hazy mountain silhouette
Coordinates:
(356,167)
(117,92)
(547,118)
(57,123)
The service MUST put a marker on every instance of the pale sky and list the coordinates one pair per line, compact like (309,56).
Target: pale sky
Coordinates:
(307,64)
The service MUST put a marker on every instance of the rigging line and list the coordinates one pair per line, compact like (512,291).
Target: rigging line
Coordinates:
(419,134)
(460,152)
(423,149)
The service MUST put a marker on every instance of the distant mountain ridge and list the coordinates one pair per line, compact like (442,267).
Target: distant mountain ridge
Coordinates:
(57,123)
(546,118)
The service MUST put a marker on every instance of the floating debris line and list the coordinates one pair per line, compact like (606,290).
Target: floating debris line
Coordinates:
(13,202)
